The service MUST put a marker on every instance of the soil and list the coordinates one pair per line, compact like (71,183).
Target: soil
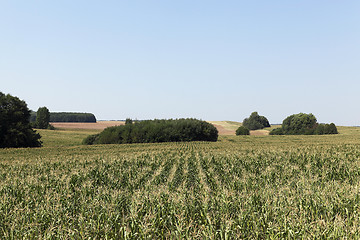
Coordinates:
(224,131)
(259,133)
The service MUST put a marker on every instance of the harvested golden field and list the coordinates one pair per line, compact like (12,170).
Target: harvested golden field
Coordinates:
(100,125)
(229,127)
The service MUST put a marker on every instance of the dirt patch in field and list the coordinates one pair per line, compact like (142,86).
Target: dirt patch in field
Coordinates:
(228,132)
(224,131)
(96,126)
(259,133)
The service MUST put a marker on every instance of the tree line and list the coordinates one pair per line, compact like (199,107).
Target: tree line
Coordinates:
(66,117)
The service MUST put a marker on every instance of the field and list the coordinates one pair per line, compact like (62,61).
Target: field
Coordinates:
(241,187)
(99,125)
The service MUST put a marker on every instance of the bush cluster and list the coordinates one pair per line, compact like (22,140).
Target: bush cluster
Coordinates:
(242,131)
(255,121)
(303,124)
(150,131)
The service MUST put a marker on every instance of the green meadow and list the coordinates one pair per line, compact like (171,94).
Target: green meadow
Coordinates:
(240,187)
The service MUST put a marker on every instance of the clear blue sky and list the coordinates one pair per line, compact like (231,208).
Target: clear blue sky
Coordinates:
(213,60)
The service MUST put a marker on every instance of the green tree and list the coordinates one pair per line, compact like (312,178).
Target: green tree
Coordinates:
(15,127)
(299,124)
(255,121)
(242,131)
(42,118)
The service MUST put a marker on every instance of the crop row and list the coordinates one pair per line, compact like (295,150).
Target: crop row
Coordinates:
(188,190)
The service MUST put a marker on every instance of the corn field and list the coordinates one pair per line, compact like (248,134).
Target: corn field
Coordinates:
(270,187)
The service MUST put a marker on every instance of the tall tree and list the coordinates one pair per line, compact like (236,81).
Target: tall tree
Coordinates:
(15,128)
(42,118)
(255,121)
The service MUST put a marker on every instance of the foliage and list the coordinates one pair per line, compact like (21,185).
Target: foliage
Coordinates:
(89,140)
(282,187)
(255,122)
(300,123)
(128,121)
(15,128)
(42,118)
(277,131)
(304,124)
(330,129)
(71,117)
(242,131)
(151,131)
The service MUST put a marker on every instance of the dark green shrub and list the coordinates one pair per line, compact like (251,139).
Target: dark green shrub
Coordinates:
(320,129)
(330,129)
(276,131)
(89,140)
(242,131)
(255,122)
(15,127)
(151,131)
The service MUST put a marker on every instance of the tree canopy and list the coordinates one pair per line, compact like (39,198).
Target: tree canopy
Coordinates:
(15,127)
(255,121)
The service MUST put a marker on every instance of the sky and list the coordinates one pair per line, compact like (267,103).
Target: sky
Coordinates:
(211,60)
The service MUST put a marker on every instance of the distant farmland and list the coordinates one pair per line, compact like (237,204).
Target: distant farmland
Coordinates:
(99,125)
(224,127)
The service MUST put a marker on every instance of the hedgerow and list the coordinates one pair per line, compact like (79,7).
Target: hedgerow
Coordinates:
(151,131)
